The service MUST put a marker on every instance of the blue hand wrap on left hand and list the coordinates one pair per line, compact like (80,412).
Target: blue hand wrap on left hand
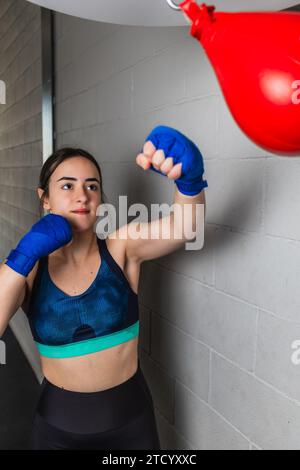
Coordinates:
(182,150)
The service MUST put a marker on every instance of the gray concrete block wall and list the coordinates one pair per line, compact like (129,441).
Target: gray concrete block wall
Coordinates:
(218,324)
(20,119)
(20,136)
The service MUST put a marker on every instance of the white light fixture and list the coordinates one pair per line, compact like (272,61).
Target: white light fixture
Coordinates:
(151,12)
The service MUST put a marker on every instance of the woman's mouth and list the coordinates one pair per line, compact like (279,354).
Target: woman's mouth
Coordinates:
(81,212)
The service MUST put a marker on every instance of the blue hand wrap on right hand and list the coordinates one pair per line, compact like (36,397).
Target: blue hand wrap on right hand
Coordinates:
(47,235)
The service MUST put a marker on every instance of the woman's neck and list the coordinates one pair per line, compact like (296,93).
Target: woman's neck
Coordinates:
(81,247)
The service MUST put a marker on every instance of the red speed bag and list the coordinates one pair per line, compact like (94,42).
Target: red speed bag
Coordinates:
(256,58)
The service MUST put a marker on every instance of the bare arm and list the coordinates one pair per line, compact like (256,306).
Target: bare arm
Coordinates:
(163,236)
(12,294)
(55,231)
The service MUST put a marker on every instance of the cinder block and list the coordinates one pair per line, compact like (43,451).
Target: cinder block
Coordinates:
(83,109)
(241,183)
(263,271)
(203,426)
(161,385)
(114,97)
(216,319)
(154,76)
(277,358)
(191,365)
(256,409)
(282,190)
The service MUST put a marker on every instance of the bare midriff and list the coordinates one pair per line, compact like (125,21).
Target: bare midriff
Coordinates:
(93,372)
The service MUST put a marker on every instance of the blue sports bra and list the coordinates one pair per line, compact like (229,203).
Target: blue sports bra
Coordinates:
(105,315)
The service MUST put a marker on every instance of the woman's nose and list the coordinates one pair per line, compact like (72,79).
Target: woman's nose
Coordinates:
(81,194)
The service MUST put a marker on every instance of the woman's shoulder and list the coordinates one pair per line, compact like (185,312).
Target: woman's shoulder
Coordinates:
(117,241)
(117,247)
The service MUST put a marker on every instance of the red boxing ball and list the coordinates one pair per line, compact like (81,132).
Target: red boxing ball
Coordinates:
(256,58)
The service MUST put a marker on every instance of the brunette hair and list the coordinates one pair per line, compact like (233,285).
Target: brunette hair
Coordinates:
(52,163)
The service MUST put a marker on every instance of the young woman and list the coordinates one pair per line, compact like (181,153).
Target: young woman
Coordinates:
(80,295)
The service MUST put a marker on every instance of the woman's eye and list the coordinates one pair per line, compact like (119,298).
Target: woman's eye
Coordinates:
(91,185)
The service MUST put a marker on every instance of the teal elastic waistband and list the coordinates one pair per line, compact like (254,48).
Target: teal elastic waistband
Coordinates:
(89,345)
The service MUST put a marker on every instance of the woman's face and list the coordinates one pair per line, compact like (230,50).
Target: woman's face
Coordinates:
(69,190)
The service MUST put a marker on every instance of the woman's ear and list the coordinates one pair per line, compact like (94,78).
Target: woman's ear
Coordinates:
(40,192)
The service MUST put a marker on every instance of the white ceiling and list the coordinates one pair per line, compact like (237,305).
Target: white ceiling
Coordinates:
(151,12)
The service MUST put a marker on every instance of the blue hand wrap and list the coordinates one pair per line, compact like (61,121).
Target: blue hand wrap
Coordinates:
(182,150)
(48,234)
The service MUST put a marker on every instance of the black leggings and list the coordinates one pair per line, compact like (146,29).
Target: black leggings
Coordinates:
(121,417)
